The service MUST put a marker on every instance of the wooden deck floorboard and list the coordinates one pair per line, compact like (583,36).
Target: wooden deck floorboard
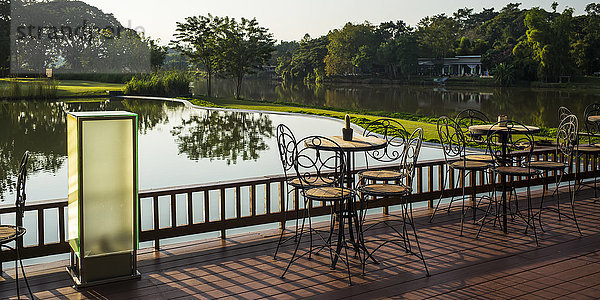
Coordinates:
(493,266)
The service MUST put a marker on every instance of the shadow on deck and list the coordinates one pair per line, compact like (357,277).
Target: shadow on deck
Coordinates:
(496,266)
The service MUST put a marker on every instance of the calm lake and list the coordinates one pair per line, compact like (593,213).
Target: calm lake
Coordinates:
(531,106)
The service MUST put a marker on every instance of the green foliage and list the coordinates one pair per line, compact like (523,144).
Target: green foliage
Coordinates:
(198,39)
(437,35)
(14,88)
(171,83)
(504,74)
(244,47)
(97,77)
(350,49)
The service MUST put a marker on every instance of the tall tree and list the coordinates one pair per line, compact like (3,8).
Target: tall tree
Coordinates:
(548,42)
(198,39)
(437,35)
(352,47)
(245,46)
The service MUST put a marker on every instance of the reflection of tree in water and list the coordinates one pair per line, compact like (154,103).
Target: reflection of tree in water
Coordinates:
(35,126)
(40,127)
(224,136)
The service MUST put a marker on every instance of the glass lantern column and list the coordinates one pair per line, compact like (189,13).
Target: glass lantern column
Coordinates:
(103,188)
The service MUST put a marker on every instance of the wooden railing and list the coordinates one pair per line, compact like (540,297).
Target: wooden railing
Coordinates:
(206,208)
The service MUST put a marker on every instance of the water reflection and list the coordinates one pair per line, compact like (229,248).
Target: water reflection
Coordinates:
(39,126)
(530,106)
(223,135)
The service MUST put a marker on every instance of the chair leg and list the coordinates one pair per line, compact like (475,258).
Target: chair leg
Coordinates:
(292,259)
(442,196)
(23,271)
(409,215)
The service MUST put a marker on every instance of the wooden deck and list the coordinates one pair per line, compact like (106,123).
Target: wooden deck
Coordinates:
(495,266)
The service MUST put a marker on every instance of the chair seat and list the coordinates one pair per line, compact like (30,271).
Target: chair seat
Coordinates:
(310,181)
(469,165)
(480,157)
(327,193)
(517,171)
(384,190)
(381,174)
(588,149)
(9,233)
(547,165)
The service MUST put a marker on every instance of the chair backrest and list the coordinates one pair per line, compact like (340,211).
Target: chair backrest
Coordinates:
(518,138)
(393,132)
(316,158)
(20,190)
(566,136)
(470,117)
(563,112)
(451,138)
(592,128)
(286,143)
(411,155)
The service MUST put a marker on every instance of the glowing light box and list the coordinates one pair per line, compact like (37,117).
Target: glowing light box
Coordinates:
(103,192)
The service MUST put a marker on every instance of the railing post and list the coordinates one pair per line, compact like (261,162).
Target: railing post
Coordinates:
(190,212)
(155,219)
(222,210)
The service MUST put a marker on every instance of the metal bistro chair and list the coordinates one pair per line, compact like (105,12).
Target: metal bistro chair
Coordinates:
(286,143)
(593,147)
(402,190)
(453,145)
(10,233)
(566,139)
(395,135)
(317,157)
(470,117)
(518,138)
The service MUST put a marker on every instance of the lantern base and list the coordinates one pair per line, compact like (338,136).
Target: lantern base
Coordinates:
(79,284)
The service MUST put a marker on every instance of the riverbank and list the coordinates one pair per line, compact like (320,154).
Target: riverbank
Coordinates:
(361,118)
(43,88)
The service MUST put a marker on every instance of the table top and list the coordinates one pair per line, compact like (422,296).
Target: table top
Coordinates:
(488,127)
(358,143)
(594,118)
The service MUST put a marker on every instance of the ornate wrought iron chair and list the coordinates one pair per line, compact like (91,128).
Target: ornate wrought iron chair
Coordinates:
(593,147)
(453,145)
(10,233)
(396,135)
(286,143)
(470,117)
(503,140)
(563,112)
(566,139)
(314,158)
(398,189)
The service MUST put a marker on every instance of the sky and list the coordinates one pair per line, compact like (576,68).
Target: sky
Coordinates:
(290,20)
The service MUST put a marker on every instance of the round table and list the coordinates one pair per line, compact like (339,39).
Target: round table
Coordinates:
(357,144)
(504,132)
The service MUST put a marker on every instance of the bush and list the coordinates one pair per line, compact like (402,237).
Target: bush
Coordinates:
(14,88)
(170,83)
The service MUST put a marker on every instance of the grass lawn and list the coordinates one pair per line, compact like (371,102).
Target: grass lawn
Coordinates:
(429,129)
(86,88)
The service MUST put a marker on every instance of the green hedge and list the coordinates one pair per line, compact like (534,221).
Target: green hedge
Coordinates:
(170,83)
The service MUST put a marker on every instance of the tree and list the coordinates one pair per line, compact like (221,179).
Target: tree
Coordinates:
(158,54)
(4,37)
(548,42)
(437,35)
(198,39)
(352,47)
(244,47)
